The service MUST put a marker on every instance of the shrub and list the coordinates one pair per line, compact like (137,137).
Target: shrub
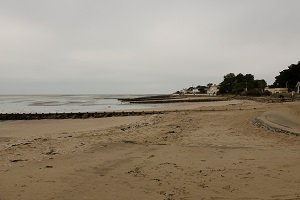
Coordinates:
(254,92)
(267,93)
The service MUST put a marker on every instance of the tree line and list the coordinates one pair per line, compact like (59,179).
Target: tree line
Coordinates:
(241,84)
(248,85)
(289,77)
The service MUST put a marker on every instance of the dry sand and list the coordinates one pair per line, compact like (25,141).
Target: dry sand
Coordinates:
(189,154)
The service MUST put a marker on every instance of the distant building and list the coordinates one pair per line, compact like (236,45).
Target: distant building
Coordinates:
(183,91)
(190,90)
(213,90)
(277,90)
(195,91)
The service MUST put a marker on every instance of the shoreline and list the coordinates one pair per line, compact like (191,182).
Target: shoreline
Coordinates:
(211,106)
(171,107)
(201,150)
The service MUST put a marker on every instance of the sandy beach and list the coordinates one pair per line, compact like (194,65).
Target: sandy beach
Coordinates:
(248,150)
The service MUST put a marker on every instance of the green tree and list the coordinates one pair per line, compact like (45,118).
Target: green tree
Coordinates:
(240,83)
(288,77)
(260,84)
(227,85)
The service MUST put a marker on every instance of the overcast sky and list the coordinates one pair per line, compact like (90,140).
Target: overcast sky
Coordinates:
(142,46)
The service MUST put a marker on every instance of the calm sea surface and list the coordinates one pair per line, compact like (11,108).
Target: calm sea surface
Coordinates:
(66,103)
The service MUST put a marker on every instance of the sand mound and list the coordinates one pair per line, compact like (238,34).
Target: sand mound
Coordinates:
(285,120)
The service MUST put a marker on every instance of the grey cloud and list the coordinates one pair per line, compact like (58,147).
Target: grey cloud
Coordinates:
(142,46)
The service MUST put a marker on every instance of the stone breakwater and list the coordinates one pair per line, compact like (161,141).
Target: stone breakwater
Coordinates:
(86,115)
(79,115)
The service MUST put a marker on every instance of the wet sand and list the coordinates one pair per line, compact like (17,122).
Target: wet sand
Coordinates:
(189,154)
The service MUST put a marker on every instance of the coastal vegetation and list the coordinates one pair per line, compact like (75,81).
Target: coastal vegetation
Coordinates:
(241,84)
(247,85)
(289,77)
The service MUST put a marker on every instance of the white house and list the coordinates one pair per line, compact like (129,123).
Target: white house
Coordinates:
(195,91)
(277,90)
(183,91)
(213,90)
(189,91)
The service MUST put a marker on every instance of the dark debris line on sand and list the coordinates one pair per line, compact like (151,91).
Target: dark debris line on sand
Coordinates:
(260,124)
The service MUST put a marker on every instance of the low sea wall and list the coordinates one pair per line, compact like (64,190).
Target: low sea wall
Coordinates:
(179,100)
(264,99)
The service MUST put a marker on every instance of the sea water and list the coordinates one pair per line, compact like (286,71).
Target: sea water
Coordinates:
(67,103)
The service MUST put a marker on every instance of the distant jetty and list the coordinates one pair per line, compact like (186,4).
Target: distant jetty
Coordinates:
(160,99)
